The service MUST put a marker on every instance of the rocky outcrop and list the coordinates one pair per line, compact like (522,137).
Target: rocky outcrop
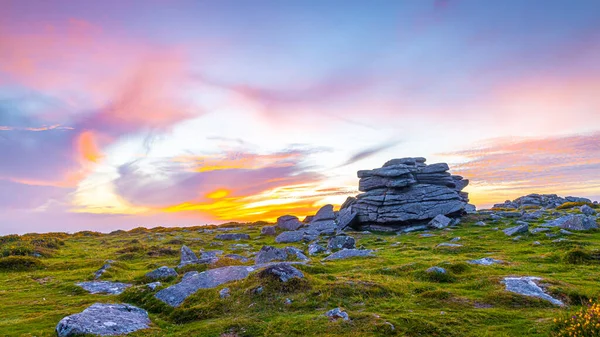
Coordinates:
(527,286)
(541,200)
(576,222)
(104,287)
(104,320)
(162,273)
(288,223)
(407,191)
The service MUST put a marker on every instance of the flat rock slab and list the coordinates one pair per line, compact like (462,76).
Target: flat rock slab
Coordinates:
(282,271)
(349,253)
(104,320)
(524,228)
(176,294)
(161,273)
(104,287)
(576,222)
(233,236)
(526,286)
(449,245)
(486,261)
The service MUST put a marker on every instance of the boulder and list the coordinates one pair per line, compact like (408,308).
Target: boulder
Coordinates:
(290,236)
(349,253)
(440,222)
(104,287)
(211,254)
(161,273)
(516,230)
(288,223)
(540,200)
(526,286)
(576,222)
(324,213)
(341,242)
(103,269)
(587,210)
(282,271)
(296,253)
(187,256)
(346,218)
(102,319)
(314,248)
(436,270)
(337,313)
(233,236)
(269,253)
(268,230)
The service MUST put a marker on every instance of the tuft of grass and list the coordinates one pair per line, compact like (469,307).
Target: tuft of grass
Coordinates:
(20,263)
(572,204)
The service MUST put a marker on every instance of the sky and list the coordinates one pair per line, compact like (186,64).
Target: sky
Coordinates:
(119,114)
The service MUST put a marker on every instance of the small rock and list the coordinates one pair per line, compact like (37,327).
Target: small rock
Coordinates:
(349,253)
(259,290)
(268,230)
(153,285)
(337,313)
(440,221)
(104,287)
(536,243)
(314,248)
(288,301)
(297,253)
(587,210)
(486,261)
(341,242)
(100,271)
(161,273)
(539,229)
(283,271)
(233,236)
(559,240)
(187,256)
(480,223)
(565,232)
(517,238)
(426,235)
(270,253)
(288,223)
(436,270)
(455,239)
(523,228)
(290,236)
(104,320)
(526,286)
(224,293)
(449,245)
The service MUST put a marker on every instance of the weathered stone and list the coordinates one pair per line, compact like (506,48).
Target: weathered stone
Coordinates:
(440,221)
(341,242)
(587,210)
(480,223)
(565,232)
(526,286)
(346,218)
(187,256)
(224,293)
(282,271)
(288,223)
(449,245)
(436,270)
(486,261)
(103,269)
(470,209)
(324,213)
(269,253)
(290,236)
(314,248)
(516,230)
(539,230)
(322,226)
(153,285)
(161,273)
(102,319)
(576,222)
(337,313)
(296,253)
(268,230)
(211,254)
(104,287)
(237,257)
(541,200)
(233,236)
(349,253)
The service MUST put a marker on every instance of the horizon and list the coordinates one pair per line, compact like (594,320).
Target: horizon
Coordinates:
(185,113)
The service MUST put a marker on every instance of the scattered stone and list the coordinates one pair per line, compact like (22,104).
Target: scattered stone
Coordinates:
(565,232)
(233,236)
(153,285)
(193,281)
(268,230)
(211,254)
(240,258)
(455,239)
(517,238)
(297,253)
(270,253)
(560,240)
(290,236)
(288,301)
(346,217)
(341,242)
(349,253)
(314,248)
(102,269)
(426,235)
(480,223)
(104,320)
(415,228)
(539,230)
(536,243)
(325,213)
(283,271)
(258,290)
(288,223)
(587,210)
(449,245)
(337,313)
(541,200)
(576,222)
(486,261)
(161,273)
(510,214)
(436,270)
(224,293)
(516,230)
(526,286)
(187,256)
(495,217)
(440,221)
(550,235)
(104,287)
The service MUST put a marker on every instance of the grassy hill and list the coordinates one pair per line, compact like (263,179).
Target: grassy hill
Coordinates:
(388,294)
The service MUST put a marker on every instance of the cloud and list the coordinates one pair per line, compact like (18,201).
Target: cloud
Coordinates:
(366,153)
(568,164)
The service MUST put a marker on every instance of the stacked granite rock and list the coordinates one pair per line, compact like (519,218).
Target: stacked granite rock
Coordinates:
(405,192)
(541,200)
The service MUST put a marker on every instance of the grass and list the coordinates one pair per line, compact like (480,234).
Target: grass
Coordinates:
(385,295)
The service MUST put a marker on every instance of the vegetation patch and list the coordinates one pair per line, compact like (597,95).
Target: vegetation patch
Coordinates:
(20,263)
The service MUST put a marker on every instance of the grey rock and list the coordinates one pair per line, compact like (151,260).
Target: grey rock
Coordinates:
(495,217)
(290,236)
(517,238)
(211,254)
(187,256)
(259,290)
(455,239)
(516,230)
(426,235)
(102,269)
(288,223)
(341,242)
(349,253)
(337,313)
(153,285)
(270,253)
(470,209)
(449,245)
(587,210)
(509,214)
(559,240)
(565,232)
(486,261)
(268,230)
(237,257)
(324,213)
(536,243)
(440,221)
(283,271)
(575,222)
(480,223)
(233,236)
(224,293)
(314,248)
(539,230)
(415,228)
(192,282)
(346,218)
(296,253)
(102,319)
(161,273)
(541,200)
(436,270)
(104,287)
(527,286)
(288,301)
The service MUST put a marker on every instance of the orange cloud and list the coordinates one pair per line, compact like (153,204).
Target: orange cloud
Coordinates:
(240,160)
(87,147)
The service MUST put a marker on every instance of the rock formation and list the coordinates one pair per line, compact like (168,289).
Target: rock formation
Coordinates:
(104,320)
(542,200)
(405,192)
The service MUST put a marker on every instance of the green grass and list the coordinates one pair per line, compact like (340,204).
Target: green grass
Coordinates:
(381,292)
